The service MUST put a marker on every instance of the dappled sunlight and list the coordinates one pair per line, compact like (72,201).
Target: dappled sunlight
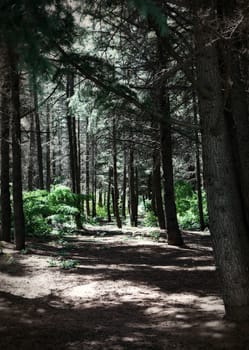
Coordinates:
(122,294)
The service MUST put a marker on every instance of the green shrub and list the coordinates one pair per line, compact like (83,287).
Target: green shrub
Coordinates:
(150,219)
(36,210)
(101,211)
(155,235)
(69,264)
(187,205)
(47,210)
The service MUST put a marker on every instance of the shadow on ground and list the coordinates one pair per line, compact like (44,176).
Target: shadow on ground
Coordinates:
(170,302)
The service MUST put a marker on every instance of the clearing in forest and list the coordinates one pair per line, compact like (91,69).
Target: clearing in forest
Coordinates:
(113,289)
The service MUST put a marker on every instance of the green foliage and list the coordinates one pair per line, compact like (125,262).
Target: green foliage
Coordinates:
(101,211)
(25,251)
(149,8)
(47,210)
(52,263)
(35,28)
(65,264)
(187,205)
(36,210)
(69,264)
(150,219)
(155,235)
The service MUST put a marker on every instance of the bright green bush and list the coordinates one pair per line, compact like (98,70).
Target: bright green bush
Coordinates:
(47,210)
(36,210)
(101,211)
(187,205)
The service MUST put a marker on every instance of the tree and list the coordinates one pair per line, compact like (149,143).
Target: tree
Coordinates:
(19,221)
(227,208)
(5,142)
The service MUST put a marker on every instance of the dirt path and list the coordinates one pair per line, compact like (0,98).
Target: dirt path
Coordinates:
(125,293)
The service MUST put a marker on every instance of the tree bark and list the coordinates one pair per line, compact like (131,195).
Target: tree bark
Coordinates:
(48,158)
(93,175)
(87,162)
(73,151)
(163,106)
(109,217)
(132,190)
(173,232)
(69,93)
(124,188)
(227,221)
(31,154)
(115,176)
(38,135)
(156,189)
(19,222)
(5,99)
(198,165)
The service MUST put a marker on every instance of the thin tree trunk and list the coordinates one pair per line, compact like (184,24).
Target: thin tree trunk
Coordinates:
(124,188)
(109,217)
(55,132)
(73,151)
(48,160)
(173,232)
(100,201)
(5,142)
(31,154)
(38,135)
(19,222)
(87,162)
(157,192)
(93,177)
(198,166)
(70,132)
(132,190)
(115,176)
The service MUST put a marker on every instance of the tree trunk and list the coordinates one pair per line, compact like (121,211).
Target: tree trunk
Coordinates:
(38,136)
(70,84)
(73,151)
(163,106)
(115,176)
(48,162)
(132,190)
(100,201)
(87,161)
(228,225)
(31,154)
(173,232)
(109,217)
(93,176)
(156,189)
(19,222)
(198,166)
(124,188)
(5,142)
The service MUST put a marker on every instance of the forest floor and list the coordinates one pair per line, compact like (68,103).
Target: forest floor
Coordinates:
(112,289)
